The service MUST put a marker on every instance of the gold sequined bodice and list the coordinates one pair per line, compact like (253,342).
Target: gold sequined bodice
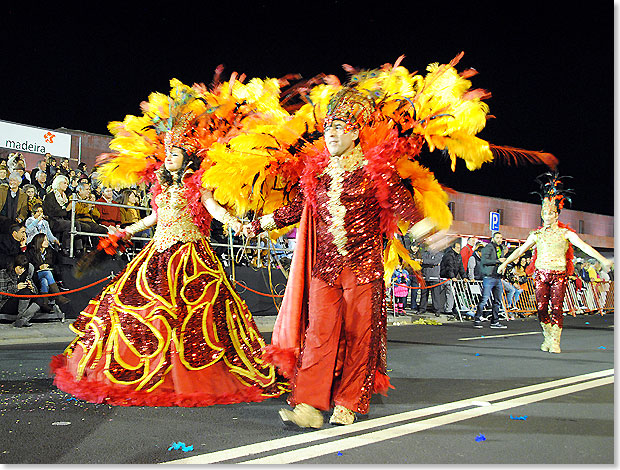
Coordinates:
(551,246)
(174,220)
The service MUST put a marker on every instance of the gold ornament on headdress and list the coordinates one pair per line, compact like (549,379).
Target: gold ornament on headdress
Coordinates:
(178,135)
(351,106)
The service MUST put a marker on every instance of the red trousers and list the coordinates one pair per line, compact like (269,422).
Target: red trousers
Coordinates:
(550,287)
(336,352)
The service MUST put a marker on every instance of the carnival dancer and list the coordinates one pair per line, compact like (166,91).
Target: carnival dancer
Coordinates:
(552,260)
(170,330)
(353,179)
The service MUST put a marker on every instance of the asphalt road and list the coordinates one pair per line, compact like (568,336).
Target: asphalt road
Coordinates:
(462,396)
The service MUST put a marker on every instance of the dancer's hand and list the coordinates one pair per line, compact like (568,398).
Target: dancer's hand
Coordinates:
(501,268)
(247,231)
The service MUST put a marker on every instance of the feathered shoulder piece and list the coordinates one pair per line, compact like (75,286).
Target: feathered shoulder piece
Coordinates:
(399,113)
(194,118)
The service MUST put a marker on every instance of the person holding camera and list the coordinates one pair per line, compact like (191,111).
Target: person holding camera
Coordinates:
(17,279)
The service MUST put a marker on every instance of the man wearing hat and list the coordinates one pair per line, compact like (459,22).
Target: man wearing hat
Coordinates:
(341,360)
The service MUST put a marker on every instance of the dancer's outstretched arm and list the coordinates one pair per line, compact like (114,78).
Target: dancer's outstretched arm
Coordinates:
(218,212)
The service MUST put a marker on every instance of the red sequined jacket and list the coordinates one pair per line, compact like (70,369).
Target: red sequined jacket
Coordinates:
(347,207)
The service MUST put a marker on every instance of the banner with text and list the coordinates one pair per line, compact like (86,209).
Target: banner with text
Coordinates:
(23,138)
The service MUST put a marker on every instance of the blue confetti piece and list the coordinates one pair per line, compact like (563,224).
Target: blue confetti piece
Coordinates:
(480,438)
(72,398)
(181,446)
(477,354)
(339,453)
(587,323)
(522,418)
(602,347)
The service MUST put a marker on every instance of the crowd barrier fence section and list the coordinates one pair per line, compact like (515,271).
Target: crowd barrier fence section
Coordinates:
(592,297)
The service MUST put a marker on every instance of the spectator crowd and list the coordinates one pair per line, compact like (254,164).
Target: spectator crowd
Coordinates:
(35,225)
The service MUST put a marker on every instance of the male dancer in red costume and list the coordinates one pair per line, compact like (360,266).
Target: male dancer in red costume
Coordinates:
(553,261)
(342,357)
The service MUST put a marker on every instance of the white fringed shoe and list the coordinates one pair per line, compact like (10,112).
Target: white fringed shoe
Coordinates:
(342,416)
(303,415)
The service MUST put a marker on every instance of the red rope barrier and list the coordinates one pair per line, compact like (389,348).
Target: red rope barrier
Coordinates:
(256,292)
(425,287)
(30,296)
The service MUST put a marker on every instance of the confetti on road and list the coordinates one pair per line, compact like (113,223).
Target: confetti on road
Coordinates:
(181,446)
(339,453)
(602,347)
(61,423)
(522,418)
(480,438)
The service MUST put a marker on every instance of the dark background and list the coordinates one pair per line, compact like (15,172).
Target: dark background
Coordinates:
(548,65)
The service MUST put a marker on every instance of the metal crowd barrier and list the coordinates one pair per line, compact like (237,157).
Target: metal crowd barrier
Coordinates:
(593,297)
(73,232)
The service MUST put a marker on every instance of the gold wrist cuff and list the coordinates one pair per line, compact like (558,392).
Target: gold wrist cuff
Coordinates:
(229,219)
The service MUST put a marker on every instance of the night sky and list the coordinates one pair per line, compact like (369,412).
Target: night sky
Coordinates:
(548,66)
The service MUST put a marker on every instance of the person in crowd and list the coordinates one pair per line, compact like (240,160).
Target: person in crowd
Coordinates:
(468,250)
(13,203)
(33,198)
(129,215)
(87,214)
(40,184)
(42,258)
(490,259)
(451,268)
(474,271)
(553,243)
(41,167)
(14,159)
(56,207)
(37,223)
(16,278)
(73,185)
(4,175)
(400,284)
(12,244)
(64,167)
(52,168)
(431,261)
(108,215)
(83,168)
(511,288)
(414,254)
(20,169)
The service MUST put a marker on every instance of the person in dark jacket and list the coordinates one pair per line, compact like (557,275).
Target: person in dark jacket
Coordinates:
(17,279)
(490,259)
(12,244)
(430,272)
(451,268)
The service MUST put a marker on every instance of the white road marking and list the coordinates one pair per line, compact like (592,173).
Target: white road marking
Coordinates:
(336,432)
(410,428)
(500,336)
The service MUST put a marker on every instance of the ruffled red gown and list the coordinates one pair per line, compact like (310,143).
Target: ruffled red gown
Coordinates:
(170,330)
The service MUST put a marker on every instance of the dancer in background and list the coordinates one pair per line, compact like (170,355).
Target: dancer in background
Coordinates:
(552,260)
(170,330)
